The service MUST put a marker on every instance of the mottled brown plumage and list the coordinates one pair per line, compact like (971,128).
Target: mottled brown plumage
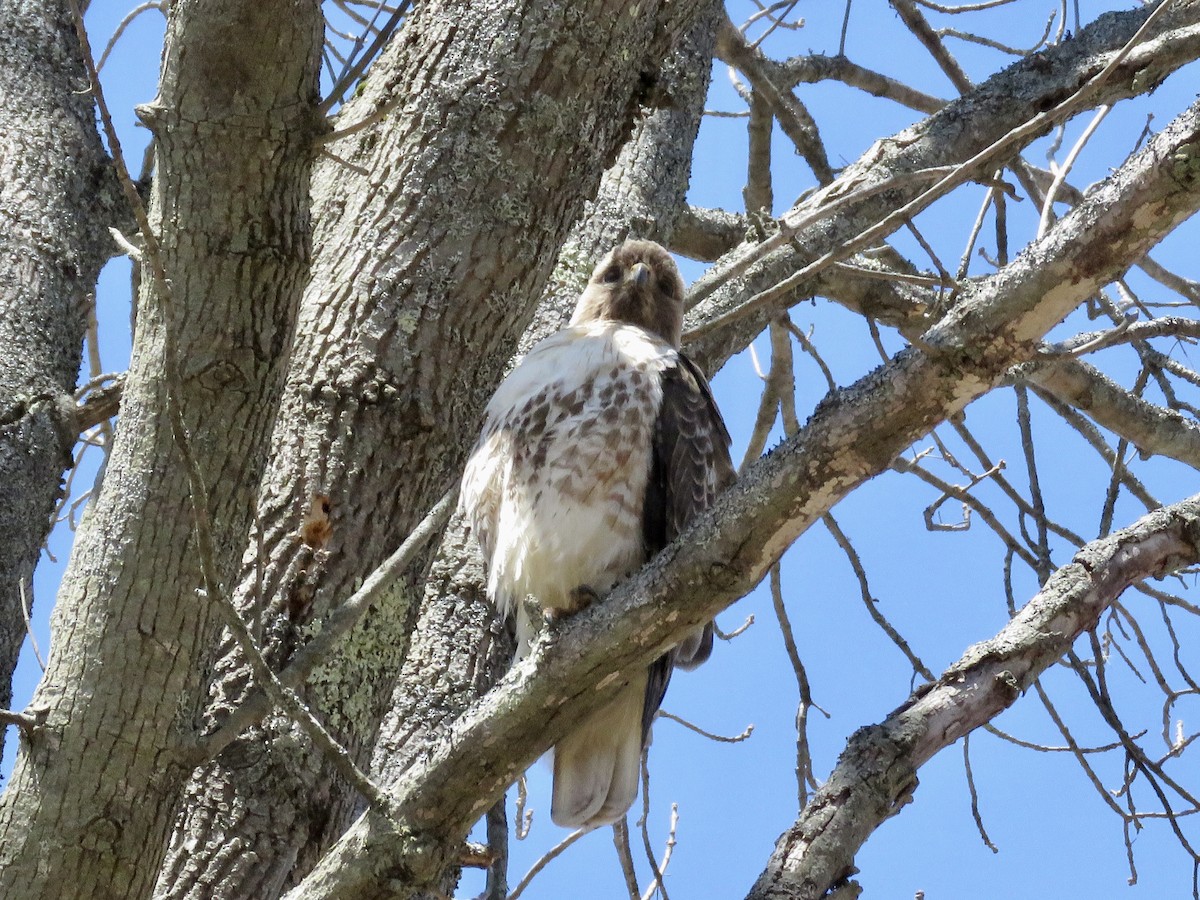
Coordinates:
(597,450)
(638,284)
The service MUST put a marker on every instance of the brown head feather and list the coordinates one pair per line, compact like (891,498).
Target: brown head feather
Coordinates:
(639,284)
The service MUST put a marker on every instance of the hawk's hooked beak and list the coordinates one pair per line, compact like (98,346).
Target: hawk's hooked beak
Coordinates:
(639,274)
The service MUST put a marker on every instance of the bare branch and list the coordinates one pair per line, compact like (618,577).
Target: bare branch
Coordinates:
(791,114)
(814,68)
(25,604)
(706,234)
(752,269)
(1151,428)
(556,851)
(876,774)
(354,72)
(620,831)
(719,738)
(916,23)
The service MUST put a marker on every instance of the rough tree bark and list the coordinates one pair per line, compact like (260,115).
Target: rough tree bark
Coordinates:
(56,197)
(419,265)
(234,124)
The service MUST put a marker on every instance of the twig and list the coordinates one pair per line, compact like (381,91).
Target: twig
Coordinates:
(971,38)
(549,856)
(660,870)
(987,841)
(524,817)
(722,739)
(869,601)
(964,263)
(643,824)
(496,886)
(919,26)
(845,29)
(1061,175)
(1044,564)
(964,8)
(25,605)
(779,21)
(804,773)
(620,830)
(160,5)
(354,73)
(730,635)
(1046,748)
(336,626)
(806,344)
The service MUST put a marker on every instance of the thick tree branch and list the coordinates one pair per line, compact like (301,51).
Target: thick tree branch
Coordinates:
(851,437)
(814,68)
(877,772)
(707,234)
(99,405)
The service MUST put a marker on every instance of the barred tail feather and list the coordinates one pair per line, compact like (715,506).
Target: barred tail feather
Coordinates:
(596,766)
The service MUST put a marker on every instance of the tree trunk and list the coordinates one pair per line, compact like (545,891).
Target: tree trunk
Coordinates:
(56,196)
(92,796)
(437,229)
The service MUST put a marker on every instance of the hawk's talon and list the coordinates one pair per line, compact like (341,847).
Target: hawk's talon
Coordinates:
(578,600)
(581,598)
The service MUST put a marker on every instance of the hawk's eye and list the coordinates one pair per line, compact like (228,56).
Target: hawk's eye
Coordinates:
(611,275)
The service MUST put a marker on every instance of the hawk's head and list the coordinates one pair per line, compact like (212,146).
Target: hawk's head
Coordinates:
(637,283)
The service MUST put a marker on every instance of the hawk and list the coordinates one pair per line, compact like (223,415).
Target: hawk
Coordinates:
(596,451)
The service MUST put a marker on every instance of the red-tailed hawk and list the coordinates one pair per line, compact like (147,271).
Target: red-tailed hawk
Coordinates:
(596,451)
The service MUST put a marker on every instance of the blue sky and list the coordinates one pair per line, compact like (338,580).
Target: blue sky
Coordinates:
(942,590)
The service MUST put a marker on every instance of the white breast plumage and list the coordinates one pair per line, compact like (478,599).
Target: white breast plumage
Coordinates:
(557,480)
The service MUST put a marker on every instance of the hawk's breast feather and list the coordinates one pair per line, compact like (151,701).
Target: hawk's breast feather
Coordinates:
(557,481)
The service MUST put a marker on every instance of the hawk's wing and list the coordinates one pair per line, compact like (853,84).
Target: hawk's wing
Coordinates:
(690,466)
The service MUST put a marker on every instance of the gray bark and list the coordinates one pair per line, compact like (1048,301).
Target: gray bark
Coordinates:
(92,796)
(423,280)
(56,197)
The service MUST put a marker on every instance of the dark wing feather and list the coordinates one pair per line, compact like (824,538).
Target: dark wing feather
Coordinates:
(690,466)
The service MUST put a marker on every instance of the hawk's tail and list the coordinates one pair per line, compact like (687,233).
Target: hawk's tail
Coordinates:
(596,766)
